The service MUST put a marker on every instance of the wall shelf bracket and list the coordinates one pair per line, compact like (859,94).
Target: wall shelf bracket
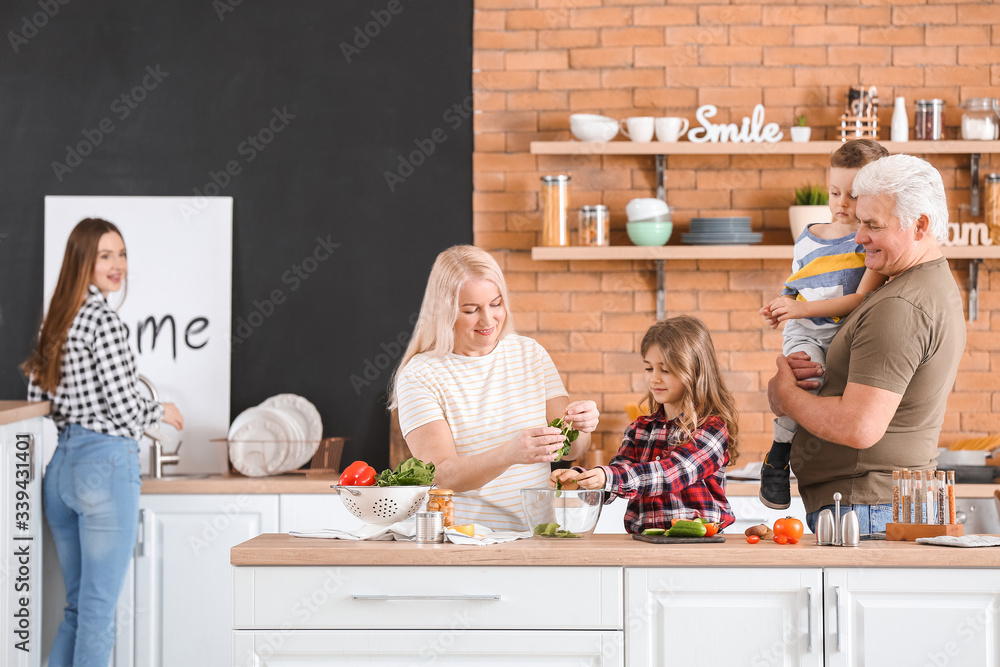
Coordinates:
(661,177)
(661,289)
(974,182)
(974,288)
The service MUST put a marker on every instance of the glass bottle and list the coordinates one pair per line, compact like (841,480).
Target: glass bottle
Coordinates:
(951,497)
(942,499)
(899,130)
(928,122)
(896,498)
(980,119)
(594,226)
(905,508)
(918,497)
(555,204)
(929,505)
(442,500)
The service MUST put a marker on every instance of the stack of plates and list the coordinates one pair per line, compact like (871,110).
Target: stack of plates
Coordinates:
(721,231)
(279,435)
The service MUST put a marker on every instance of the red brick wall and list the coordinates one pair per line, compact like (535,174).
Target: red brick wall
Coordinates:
(537,61)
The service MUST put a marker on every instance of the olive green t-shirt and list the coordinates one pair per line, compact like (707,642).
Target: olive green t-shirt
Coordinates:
(906,337)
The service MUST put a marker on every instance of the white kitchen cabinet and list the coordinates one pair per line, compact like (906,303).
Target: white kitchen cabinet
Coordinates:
(454,646)
(183,611)
(878,616)
(21,536)
(724,616)
(310,511)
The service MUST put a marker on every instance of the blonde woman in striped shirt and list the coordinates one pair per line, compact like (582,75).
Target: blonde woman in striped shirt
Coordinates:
(475,398)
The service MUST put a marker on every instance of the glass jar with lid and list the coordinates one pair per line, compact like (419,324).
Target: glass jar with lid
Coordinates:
(928,120)
(991,212)
(555,202)
(594,228)
(980,119)
(442,500)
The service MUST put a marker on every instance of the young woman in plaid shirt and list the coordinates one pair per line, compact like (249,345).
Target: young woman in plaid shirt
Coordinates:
(672,462)
(84,366)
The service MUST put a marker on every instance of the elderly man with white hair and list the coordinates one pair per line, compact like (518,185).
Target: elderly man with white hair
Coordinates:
(892,364)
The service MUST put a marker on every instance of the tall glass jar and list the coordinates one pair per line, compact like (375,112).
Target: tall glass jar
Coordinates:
(980,119)
(594,225)
(928,121)
(555,205)
(991,206)
(442,500)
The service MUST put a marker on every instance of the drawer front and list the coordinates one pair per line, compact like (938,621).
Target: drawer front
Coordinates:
(292,648)
(317,597)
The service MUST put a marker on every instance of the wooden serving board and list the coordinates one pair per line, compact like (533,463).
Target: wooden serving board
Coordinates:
(665,539)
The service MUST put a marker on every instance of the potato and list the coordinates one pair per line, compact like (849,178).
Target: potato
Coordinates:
(760,530)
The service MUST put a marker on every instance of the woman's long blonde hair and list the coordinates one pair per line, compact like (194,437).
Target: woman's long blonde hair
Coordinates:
(689,354)
(434,332)
(77,272)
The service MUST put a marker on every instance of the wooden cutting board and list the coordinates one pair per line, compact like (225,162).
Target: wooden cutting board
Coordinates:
(664,539)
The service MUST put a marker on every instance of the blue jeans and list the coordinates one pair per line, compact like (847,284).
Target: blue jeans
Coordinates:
(871,518)
(91,496)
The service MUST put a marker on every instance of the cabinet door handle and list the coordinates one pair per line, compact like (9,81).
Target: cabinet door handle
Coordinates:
(432,598)
(840,645)
(140,536)
(809,617)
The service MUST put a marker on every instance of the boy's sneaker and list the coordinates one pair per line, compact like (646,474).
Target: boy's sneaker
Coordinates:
(775,491)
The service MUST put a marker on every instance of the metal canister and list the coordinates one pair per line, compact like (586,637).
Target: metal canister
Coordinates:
(928,120)
(429,529)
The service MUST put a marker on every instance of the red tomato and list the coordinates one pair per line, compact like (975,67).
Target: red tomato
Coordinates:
(781,539)
(792,540)
(789,527)
(753,539)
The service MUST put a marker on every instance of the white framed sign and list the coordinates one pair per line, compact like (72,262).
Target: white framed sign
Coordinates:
(177,309)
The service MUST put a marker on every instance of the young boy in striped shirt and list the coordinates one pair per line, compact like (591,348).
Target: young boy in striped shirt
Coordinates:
(828,281)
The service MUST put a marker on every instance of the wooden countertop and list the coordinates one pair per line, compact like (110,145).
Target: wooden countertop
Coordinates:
(237,484)
(15,411)
(605,550)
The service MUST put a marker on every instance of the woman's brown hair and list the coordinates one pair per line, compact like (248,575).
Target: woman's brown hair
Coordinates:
(77,272)
(689,354)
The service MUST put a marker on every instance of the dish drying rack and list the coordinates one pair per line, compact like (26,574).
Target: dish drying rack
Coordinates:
(324,463)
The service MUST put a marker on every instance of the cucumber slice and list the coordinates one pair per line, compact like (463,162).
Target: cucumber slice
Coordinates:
(653,531)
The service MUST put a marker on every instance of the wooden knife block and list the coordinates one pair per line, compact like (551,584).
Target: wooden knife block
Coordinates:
(908,532)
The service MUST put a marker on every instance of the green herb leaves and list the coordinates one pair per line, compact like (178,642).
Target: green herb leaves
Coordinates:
(568,432)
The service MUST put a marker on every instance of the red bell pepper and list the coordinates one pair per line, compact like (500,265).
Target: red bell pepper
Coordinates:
(358,473)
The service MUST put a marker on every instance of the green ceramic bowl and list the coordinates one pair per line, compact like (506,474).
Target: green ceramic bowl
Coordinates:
(649,233)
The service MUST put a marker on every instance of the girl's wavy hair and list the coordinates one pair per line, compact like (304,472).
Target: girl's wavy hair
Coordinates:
(434,332)
(76,274)
(689,354)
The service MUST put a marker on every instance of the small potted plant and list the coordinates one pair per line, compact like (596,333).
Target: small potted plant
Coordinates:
(811,206)
(801,131)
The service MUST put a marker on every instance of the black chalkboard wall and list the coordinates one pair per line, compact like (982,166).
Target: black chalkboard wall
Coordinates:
(344,121)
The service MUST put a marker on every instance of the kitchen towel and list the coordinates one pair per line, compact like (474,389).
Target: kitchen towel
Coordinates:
(964,541)
(483,535)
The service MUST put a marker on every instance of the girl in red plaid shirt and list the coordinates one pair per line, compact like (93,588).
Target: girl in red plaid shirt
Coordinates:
(672,462)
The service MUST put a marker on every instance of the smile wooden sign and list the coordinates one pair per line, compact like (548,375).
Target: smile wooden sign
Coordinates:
(752,129)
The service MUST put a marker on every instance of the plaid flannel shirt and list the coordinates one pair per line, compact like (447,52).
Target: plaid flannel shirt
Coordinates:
(98,385)
(665,477)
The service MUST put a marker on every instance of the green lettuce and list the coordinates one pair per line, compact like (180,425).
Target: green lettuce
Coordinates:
(411,472)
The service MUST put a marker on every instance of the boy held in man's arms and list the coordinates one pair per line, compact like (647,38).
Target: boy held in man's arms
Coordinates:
(828,281)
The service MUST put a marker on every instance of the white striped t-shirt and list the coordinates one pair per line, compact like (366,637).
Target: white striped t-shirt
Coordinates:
(486,401)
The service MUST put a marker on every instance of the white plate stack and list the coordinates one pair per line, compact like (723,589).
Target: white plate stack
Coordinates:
(279,435)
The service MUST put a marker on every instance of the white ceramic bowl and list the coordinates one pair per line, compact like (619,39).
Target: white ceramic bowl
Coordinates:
(591,127)
(382,505)
(575,512)
(645,208)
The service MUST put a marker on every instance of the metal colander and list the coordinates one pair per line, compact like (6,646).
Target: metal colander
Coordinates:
(382,505)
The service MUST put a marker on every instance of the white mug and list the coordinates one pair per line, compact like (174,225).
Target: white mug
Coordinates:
(638,128)
(671,128)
